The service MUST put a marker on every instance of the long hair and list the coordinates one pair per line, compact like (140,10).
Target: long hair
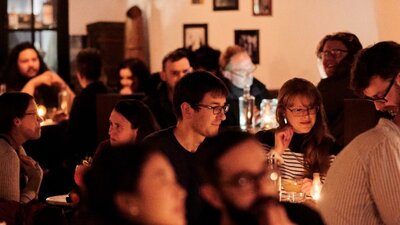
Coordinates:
(13,105)
(317,141)
(138,69)
(139,115)
(11,75)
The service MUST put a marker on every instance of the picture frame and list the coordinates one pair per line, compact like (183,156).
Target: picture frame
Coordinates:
(250,41)
(219,5)
(195,36)
(262,7)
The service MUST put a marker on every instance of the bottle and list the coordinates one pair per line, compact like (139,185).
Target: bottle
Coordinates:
(274,173)
(316,187)
(246,110)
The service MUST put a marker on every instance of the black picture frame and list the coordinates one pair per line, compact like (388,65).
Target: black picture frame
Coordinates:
(262,7)
(219,5)
(249,40)
(195,36)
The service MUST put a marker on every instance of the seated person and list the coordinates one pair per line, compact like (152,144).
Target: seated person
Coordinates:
(235,180)
(19,122)
(132,185)
(302,141)
(26,71)
(133,74)
(238,69)
(175,65)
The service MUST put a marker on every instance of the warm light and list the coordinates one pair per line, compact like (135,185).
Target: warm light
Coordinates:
(41,110)
(316,191)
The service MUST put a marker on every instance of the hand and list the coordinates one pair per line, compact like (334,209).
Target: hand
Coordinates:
(307,185)
(283,138)
(30,166)
(80,171)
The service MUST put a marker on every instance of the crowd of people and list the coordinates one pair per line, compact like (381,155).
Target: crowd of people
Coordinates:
(178,156)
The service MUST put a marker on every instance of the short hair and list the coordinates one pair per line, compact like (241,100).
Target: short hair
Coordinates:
(381,59)
(174,56)
(88,62)
(138,69)
(213,149)
(139,115)
(192,88)
(349,40)
(118,170)
(11,75)
(206,58)
(228,54)
(13,105)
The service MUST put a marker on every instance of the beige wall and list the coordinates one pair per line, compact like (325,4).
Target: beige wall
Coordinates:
(287,39)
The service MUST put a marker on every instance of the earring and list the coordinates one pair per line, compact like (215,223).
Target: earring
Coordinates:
(285,120)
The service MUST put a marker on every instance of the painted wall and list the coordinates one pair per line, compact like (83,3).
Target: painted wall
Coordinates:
(288,38)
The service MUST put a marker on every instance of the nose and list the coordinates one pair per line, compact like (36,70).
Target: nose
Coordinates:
(181,192)
(222,115)
(110,130)
(379,105)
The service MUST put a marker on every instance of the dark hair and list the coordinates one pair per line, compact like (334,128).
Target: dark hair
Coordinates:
(139,115)
(11,75)
(381,59)
(174,56)
(117,170)
(213,149)
(139,70)
(350,40)
(192,88)
(88,63)
(207,58)
(13,105)
(316,155)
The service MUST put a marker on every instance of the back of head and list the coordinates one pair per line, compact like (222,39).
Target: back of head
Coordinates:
(118,170)
(214,148)
(228,54)
(139,115)
(381,59)
(11,74)
(194,86)
(13,105)
(88,62)
(174,56)
(207,58)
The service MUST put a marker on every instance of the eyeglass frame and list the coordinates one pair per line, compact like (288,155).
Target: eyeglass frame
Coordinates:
(304,112)
(383,98)
(224,108)
(333,53)
(252,182)
(247,73)
(33,114)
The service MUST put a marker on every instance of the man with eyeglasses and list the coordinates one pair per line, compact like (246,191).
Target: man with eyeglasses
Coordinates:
(336,53)
(235,179)
(200,105)
(20,175)
(362,185)
(175,65)
(238,72)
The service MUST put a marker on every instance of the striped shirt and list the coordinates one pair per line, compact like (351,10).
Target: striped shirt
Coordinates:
(363,185)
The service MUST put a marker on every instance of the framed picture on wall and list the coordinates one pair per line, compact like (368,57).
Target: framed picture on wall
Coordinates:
(249,40)
(194,36)
(225,5)
(262,7)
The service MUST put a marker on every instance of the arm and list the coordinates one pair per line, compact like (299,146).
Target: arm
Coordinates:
(9,173)
(34,174)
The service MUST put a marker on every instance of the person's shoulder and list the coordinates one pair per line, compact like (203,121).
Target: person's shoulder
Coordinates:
(161,135)
(302,214)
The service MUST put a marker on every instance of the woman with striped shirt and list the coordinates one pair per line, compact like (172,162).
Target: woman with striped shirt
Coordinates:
(302,143)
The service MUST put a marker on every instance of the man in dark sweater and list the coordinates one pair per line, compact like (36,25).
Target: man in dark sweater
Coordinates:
(199,102)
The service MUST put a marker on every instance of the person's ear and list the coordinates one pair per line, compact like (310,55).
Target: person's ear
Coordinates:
(17,122)
(227,74)
(211,195)
(127,204)
(187,110)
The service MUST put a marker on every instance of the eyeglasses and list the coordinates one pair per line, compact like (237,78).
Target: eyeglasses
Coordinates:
(216,109)
(335,53)
(33,114)
(383,98)
(249,182)
(244,72)
(304,111)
